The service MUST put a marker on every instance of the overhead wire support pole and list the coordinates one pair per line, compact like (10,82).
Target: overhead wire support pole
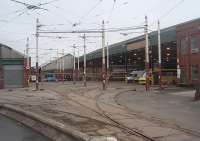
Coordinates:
(78,65)
(159,57)
(57,62)
(103,57)
(63,65)
(107,63)
(147,84)
(74,66)
(84,67)
(60,64)
(27,61)
(37,57)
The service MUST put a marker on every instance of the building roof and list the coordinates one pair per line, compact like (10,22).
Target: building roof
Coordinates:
(167,35)
(9,53)
(68,63)
(53,61)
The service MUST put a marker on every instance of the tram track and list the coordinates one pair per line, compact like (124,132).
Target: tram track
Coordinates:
(92,99)
(105,115)
(129,130)
(157,119)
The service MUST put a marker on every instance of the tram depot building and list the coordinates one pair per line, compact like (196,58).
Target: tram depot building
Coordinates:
(180,55)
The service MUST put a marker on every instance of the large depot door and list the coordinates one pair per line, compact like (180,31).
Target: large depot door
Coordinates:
(13,76)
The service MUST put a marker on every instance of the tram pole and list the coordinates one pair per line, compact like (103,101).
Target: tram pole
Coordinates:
(107,63)
(147,84)
(27,61)
(78,65)
(103,57)
(37,58)
(63,61)
(74,65)
(84,67)
(159,57)
(57,62)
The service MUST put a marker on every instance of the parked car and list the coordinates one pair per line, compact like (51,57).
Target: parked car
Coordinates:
(50,77)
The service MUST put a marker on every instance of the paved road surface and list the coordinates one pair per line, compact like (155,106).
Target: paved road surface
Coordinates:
(177,107)
(10,130)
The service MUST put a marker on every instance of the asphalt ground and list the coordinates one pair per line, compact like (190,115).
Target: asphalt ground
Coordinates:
(102,113)
(11,130)
(177,107)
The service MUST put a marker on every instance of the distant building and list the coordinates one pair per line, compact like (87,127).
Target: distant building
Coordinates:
(56,67)
(13,71)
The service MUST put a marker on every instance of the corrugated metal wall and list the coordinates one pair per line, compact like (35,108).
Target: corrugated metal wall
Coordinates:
(13,76)
(11,68)
(1,76)
(68,63)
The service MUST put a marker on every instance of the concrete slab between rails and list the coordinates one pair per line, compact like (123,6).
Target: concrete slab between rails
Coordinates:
(47,127)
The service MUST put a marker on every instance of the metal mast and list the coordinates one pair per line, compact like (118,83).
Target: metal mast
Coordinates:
(27,60)
(159,56)
(84,68)
(147,55)
(103,57)
(37,58)
(74,65)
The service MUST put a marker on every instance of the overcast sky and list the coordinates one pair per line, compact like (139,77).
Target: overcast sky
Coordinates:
(17,23)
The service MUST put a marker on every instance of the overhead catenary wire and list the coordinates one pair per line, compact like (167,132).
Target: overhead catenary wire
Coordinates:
(29,7)
(57,37)
(94,30)
(47,2)
(111,12)
(91,9)
(160,18)
(171,9)
(66,19)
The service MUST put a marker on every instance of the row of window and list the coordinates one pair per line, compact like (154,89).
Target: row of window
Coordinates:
(194,74)
(193,44)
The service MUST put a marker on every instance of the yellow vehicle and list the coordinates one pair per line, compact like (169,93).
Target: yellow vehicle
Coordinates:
(169,76)
(142,78)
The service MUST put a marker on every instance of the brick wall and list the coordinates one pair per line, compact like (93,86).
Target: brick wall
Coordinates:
(186,60)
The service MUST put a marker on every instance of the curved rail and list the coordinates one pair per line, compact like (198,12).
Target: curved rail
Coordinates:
(103,114)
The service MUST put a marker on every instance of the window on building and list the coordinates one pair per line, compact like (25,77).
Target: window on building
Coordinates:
(194,72)
(194,45)
(183,47)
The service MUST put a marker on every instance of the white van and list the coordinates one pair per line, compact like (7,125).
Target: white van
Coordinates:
(133,76)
